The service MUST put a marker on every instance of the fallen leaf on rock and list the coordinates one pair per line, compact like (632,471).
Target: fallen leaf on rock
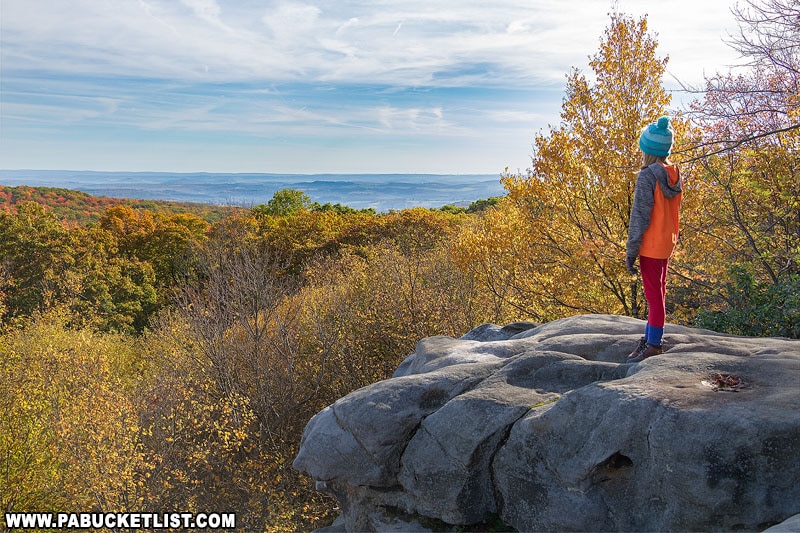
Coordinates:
(724,382)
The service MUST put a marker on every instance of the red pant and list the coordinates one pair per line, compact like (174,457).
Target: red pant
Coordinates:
(654,279)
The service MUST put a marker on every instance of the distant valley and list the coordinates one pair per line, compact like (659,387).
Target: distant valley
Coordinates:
(382,192)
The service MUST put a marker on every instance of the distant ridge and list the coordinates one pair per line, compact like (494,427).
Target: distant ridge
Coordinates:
(382,192)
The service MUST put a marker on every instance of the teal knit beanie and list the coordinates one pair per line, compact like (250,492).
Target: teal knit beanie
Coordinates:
(656,138)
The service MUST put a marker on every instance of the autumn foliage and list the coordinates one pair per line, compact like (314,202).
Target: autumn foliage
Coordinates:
(578,193)
(165,358)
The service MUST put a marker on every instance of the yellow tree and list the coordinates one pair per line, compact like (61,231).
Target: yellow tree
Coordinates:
(577,195)
(491,249)
(69,430)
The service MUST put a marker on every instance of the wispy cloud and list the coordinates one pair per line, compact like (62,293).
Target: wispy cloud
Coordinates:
(283,41)
(317,72)
(408,42)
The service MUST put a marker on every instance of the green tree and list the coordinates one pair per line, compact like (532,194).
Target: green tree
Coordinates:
(115,292)
(284,202)
(484,203)
(37,257)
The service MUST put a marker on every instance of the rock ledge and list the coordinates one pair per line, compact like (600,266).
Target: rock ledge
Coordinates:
(542,428)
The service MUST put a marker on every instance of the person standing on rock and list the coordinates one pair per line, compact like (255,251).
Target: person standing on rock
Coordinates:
(653,229)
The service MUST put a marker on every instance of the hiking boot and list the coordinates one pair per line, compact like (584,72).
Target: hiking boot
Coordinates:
(649,351)
(640,348)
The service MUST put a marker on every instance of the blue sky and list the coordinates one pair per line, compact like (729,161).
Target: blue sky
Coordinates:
(385,86)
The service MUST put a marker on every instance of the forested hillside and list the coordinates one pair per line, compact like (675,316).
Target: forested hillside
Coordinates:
(156,357)
(76,206)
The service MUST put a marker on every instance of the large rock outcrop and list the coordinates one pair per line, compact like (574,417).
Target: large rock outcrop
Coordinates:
(543,428)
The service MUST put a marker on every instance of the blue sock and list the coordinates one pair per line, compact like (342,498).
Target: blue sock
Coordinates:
(647,330)
(654,335)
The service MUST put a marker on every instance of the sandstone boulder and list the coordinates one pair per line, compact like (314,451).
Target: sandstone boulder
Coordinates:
(545,428)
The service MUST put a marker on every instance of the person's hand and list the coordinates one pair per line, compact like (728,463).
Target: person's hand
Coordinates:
(629,264)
